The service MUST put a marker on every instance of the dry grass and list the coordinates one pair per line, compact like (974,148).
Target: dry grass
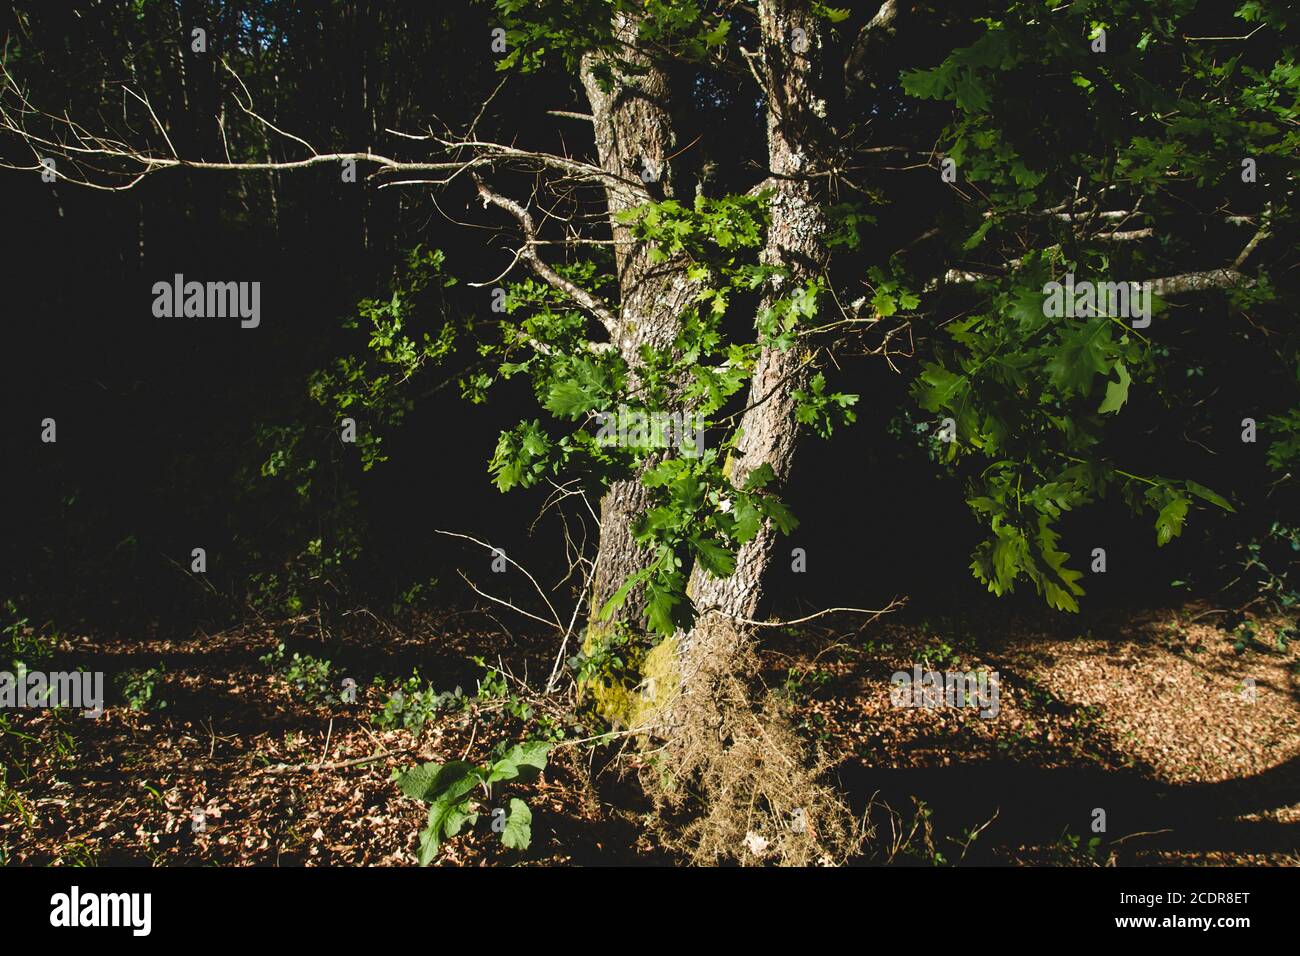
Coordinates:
(737,784)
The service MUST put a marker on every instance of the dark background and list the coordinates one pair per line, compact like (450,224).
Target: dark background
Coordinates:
(156,416)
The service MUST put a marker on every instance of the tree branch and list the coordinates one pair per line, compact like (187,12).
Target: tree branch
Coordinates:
(528,252)
(875,31)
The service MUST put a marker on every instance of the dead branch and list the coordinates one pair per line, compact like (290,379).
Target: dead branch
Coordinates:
(528,253)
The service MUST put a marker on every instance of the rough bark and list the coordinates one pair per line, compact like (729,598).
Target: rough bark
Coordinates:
(796,240)
(634,133)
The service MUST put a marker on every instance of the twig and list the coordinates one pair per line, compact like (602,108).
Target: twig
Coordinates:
(337,765)
(555,617)
(328,734)
(893,605)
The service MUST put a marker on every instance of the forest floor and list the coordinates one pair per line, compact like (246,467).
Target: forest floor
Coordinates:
(1182,740)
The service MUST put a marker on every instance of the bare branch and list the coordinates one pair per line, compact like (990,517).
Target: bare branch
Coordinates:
(893,605)
(555,618)
(1201,282)
(528,252)
(106,163)
(878,29)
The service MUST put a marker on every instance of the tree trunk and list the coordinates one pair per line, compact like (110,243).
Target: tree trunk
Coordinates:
(634,137)
(796,240)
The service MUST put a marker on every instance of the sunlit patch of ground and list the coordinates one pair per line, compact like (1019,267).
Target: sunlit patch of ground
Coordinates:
(1151,719)
(1187,741)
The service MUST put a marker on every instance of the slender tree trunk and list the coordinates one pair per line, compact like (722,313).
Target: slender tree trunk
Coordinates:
(634,137)
(796,240)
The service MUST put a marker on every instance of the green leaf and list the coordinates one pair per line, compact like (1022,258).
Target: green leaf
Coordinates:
(618,597)
(748,520)
(781,516)
(430,781)
(1084,353)
(1212,497)
(972,95)
(759,477)
(978,235)
(524,760)
(715,559)
(568,400)
(884,303)
(660,610)
(927,84)
(446,817)
(1116,392)
(1169,522)
(518,832)
(939,387)
(430,840)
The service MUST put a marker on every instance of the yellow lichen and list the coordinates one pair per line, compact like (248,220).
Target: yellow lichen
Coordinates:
(635,699)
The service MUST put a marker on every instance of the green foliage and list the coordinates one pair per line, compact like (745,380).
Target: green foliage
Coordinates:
(697,513)
(1033,398)
(1022,388)
(890,293)
(414,703)
(802,683)
(1270,565)
(822,411)
(21,645)
(24,753)
(307,475)
(1072,849)
(845,222)
(140,688)
(448,788)
(1154,118)
(726,225)
(494,686)
(538,31)
(1284,450)
(607,656)
(368,386)
(518,831)
(309,676)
